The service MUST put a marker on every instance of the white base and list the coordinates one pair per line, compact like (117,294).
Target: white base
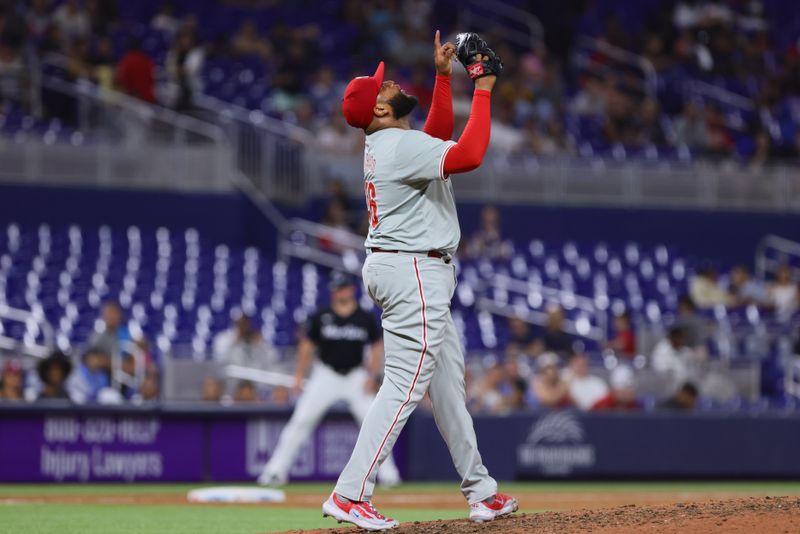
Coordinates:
(236,494)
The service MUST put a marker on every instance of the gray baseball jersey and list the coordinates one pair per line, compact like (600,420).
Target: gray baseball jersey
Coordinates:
(412,210)
(410,201)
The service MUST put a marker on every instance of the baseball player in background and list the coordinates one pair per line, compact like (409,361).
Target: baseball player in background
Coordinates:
(413,234)
(338,333)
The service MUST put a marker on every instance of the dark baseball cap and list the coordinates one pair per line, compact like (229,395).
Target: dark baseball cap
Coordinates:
(340,280)
(360,97)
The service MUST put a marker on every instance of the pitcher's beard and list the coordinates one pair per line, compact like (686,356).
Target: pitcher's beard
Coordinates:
(402,104)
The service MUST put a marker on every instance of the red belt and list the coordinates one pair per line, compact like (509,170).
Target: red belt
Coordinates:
(430,253)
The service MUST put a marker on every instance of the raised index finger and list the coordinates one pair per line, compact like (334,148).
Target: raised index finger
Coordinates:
(436,42)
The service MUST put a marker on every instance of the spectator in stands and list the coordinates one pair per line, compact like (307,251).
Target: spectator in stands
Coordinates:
(242,344)
(165,20)
(684,400)
(694,326)
(488,241)
(246,392)
(521,339)
(249,42)
(11,381)
(38,18)
(114,337)
(335,137)
(73,20)
(743,290)
(592,99)
(212,389)
(506,137)
(623,391)
(336,220)
(621,125)
(585,389)
(102,62)
(91,378)
(783,294)
(12,75)
(705,290)
(78,61)
(762,152)
(517,397)
(488,397)
(720,140)
(149,390)
(326,93)
(549,390)
(690,128)
(53,372)
(554,338)
(651,129)
(184,62)
(297,59)
(624,341)
(671,356)
(279,396)
(136,73)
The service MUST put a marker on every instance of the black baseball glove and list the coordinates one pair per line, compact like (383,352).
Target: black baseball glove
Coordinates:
(468,46)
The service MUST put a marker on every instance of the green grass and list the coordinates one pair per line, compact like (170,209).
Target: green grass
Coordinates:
(119,519)
(36,518)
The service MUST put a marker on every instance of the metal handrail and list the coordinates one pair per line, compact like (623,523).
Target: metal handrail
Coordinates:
(23,316)
(720,94)
(134,105)
(774,242)
(513,15)
(583,303)
(626,57)
(254,118)
(302,240)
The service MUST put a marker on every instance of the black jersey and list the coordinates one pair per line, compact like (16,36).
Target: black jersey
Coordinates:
(341,340)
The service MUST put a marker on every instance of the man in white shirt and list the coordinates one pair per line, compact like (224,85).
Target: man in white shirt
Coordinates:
(243,345)
(585,389)
(672,355)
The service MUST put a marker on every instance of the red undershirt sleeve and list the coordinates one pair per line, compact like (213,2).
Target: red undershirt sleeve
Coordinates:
(440,120)
(467,154)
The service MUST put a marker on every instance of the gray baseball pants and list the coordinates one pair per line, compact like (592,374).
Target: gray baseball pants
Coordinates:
(423,354)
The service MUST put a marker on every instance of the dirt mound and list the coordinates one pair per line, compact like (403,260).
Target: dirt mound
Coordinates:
(764,515)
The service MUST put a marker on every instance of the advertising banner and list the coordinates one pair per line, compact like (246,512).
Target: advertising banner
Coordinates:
(81,448)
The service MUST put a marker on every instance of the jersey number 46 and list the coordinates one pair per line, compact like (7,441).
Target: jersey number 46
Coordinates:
(372,206)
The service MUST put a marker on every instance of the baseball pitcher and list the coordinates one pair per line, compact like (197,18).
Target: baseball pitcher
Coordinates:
(413,234)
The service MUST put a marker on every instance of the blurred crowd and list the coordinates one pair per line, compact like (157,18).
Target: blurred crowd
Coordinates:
(537,366)
(543,103)
(118,367)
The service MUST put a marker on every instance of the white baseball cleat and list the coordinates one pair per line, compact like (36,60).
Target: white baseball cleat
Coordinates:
(361,514)
(484,511)
(271,480)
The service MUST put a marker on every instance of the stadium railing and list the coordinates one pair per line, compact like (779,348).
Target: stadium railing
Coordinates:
(774,251)
(517,25)
(37,322)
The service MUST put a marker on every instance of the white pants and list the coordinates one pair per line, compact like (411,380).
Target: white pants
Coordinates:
(324,388)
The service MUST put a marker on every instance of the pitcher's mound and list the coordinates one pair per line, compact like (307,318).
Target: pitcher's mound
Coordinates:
(763,515)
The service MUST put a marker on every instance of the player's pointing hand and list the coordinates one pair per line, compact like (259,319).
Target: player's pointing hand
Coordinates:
(443,55)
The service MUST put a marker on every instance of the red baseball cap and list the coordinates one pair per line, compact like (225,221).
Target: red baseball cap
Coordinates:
(360,97)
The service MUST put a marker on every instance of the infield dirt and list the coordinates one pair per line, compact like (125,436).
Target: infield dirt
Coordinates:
(761,515)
